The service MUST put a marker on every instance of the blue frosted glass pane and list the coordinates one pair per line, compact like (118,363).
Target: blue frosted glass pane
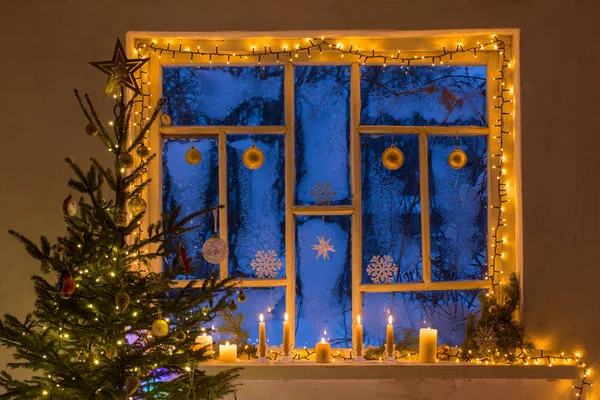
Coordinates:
(268,301)
(391,212)
(322,107)
(445,311)
(421,95)
(224,95)
(458,203)
(323,287)
(256,202)
(193,187)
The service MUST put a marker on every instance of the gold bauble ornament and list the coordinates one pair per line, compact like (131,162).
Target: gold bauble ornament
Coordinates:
(179,335)
(136,205)
(91,129)
(166,119)
(160,328)
(457,159)
(392,158)
(193,156)
(232,306)
(253,157)
(122,300)
(241,296)
(132,384)
(143,151)
(214,250)
(120,218)
(126,160)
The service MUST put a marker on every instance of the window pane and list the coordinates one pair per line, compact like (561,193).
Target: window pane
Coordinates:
(224,95)
(323,286)
(422,95)
(322,107)
(458,203)
(391,211)
(256,203)
(445,311)
(268,301)
(193,187)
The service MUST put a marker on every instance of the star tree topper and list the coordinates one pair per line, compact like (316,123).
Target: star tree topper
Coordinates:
(120,70)
(323,248)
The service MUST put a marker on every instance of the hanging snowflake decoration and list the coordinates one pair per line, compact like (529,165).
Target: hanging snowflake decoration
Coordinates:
(323,193)
(486,342)
(266,264)
(382,269)
(323,248)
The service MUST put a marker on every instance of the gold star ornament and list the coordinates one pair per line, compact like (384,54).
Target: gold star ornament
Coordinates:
(120,70)
(323,248)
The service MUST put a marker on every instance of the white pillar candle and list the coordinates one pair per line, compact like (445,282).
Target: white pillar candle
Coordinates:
(389,338)
(227,353)
(323,352)
(203,341)
(262,338)
(286,336)
(428,345)
(358,334)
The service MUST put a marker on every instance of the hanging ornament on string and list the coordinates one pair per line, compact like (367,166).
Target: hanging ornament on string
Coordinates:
(136,205)
(241,296)
(65,285)
(253,157)
(122,300)
(160,327)
(59,248)
(232,306)
(70,206)
(185,261)
(91,129)
(392,158)
(143,151)
(125,160)
(457,158)
(193,156)
(120,218)
(214,249)
(132,384)
(179,335)
(323,247)
(165,118)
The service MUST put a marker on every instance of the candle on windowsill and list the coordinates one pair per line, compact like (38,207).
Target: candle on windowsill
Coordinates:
(427,345)
(227,353)
(203,341)
(323,351)
(286,336)
(359,337)
(389,338)
(262,338)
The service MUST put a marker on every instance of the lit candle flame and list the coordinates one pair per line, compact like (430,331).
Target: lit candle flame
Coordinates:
(286,316)
(261,317)
(358,319)
(226,343)
(390,319)
(325,332)
(323,340)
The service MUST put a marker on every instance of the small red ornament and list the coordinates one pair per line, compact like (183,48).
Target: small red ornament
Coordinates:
(66,286)
(185,261)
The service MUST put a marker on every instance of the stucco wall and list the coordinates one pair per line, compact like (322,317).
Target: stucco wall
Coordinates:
(46,46)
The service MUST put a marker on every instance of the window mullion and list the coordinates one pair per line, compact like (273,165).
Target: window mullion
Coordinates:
(425,228)
(224,266)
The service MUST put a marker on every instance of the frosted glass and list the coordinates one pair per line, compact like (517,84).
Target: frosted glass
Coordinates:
(224,95)
(322,107)
(445,311)
(458,203)
(193,187)
(422,95)
(323,287)
(391,212)
(256,203)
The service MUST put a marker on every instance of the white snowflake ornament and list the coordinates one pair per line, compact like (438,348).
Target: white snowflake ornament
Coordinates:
(323,248)
(323,193)
(266,264)
(382,269)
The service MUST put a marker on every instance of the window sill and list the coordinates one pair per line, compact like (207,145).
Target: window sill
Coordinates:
(309,370)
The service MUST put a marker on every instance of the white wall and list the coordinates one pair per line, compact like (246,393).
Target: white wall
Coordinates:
(46,46)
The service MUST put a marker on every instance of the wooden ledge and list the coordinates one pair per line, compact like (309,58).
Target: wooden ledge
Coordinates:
(306,370)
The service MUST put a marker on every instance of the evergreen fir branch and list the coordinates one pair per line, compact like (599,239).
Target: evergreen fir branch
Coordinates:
(31,249)
(106,173)
(146,127)
(98,121)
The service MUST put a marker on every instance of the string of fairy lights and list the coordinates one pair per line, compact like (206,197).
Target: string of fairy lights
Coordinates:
(500,123)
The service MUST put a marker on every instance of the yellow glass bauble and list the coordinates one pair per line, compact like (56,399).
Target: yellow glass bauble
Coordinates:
(253,158)
(193,156)
(392,158)
(143,151)
(457,159)
(160,328)
(126,160)
(91,129)
(136,205)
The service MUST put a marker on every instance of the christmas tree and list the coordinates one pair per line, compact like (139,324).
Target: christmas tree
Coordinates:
(112,328)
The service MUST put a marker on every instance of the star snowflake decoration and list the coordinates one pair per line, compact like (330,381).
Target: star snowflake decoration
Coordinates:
(382,269)
(266,264)
(323,193)
(323,248)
